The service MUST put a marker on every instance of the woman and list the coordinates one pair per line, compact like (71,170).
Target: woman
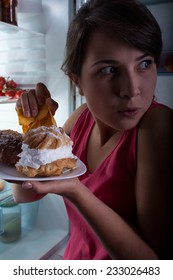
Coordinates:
(120,208)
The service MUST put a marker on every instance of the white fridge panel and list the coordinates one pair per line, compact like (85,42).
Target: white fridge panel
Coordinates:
(53,23)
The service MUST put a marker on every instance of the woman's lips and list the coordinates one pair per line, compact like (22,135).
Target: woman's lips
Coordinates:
(129,112)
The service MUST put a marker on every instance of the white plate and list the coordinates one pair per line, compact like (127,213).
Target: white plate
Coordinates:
(3,98)
(10,173)
(6,99)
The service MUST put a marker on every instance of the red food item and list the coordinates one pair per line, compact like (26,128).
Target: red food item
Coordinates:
(18,93)
(2,81)
(9,88)
(1,87)
(2,93)
(11,84)
(10,92)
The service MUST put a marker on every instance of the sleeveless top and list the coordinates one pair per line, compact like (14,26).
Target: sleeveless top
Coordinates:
(112,182)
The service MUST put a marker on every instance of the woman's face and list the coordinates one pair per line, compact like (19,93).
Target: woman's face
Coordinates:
(118,82)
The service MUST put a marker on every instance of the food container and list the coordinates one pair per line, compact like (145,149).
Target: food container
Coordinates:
(10,220)
(29,216)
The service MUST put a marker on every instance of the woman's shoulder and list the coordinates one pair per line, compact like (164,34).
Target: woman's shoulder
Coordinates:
(73,118)
(157,116)
(156,126)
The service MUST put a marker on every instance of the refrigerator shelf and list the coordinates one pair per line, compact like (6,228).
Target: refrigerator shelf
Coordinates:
(45,231)
(10,32)
(46,243)
(154,2)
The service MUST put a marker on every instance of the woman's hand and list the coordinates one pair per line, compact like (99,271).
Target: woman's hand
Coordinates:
(21,195)
(66,188)
(31,100)
(33,190)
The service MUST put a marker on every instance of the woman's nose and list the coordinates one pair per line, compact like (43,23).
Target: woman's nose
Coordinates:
(130,86)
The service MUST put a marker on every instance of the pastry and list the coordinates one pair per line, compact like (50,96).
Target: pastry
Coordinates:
(46,151)
(10,146)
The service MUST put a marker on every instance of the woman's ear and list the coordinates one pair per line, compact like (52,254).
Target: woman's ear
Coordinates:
(76,81)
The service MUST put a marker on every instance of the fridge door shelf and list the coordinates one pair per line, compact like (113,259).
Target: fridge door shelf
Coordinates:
(153,2)
(34,245)
(45,231)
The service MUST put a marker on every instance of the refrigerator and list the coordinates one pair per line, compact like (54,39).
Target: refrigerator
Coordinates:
(33,52)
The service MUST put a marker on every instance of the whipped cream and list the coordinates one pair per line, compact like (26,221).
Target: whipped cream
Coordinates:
(34,157)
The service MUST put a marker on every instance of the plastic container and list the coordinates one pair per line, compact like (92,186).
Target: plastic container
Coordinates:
(10,220)
(29,216)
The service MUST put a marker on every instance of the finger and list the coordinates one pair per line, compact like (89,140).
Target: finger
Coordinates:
(18,104)
(52,104)
(40,187)
(28,103)
(25,104)
(42,93)
(33,102)
(61,187)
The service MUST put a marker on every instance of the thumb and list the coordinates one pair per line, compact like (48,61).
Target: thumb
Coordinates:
(52,104)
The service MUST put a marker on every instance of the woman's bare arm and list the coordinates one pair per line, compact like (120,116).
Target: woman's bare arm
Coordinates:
(154,179)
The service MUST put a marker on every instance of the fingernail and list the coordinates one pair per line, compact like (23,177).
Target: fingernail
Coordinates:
(34,113)
(27,114)
(27,185)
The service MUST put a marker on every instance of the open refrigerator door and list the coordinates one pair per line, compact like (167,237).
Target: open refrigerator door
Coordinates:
(32,52)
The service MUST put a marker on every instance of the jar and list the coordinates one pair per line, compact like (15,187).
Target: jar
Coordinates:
(10,220)
(8,11)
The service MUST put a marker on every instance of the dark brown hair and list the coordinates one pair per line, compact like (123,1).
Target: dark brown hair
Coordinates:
(128,20)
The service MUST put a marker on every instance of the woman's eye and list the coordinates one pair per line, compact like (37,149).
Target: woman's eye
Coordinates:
(145,64)
(108,70)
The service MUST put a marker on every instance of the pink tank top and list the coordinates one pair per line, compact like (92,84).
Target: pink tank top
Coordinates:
(112,182)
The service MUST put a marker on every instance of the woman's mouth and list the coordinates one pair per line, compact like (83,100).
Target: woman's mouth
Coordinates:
(129,112)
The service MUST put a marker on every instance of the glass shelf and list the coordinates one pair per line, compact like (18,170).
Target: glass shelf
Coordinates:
(11,32)
(153,2)
(5,100)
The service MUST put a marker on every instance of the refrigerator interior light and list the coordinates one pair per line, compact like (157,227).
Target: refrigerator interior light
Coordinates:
(29,6)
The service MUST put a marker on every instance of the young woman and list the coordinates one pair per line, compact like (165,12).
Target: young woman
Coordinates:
(120,208)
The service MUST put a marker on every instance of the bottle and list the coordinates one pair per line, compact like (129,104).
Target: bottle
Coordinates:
(8,11)
(10,220)
(169,63)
